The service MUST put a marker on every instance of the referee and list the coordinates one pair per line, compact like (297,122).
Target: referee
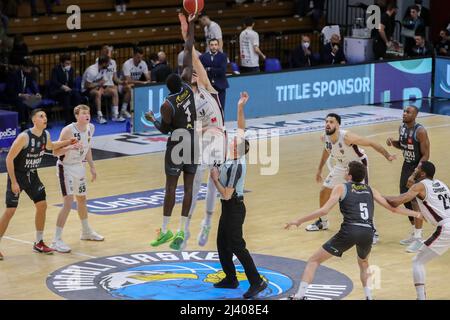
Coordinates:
(229,180)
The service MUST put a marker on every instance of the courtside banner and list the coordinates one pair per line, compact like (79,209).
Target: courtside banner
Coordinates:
(305,90)
(442,78)
(8,128)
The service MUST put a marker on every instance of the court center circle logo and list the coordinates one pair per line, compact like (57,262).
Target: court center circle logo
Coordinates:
(187,275)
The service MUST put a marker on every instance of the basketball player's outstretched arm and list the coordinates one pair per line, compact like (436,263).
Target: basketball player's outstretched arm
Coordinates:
(332,201)
(240,111)
(417,189)
(66,134)
(55,146)
(384,203)
(352,138)
(188,45)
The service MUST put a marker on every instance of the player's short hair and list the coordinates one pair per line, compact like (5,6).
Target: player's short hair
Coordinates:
(64,57)
(334,115)
(138,50)
(414,8)
(174,83)
(414,107)
(357,170)
(35,111)
(103,59)
(213,39)
(203,14)
(429,168)
(80,107)
(249,21)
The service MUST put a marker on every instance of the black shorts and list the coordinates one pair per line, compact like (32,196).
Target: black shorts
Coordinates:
(407,171)
(349,236)
(174,169)
(28,182)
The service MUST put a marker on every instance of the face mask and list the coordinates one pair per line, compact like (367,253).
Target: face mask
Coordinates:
(306,45)
(67,68)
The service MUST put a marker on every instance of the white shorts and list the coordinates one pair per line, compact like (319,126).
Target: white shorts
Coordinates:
(337,175)
(72,179)
(439,241)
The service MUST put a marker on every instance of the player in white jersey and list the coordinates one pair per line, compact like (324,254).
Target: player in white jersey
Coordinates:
(72,176)
(433,197)
(343,147)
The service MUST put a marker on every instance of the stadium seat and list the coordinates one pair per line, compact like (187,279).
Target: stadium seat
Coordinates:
(272,65)
(235,68)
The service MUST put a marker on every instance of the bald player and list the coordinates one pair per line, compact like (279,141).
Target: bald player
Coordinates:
(415,145)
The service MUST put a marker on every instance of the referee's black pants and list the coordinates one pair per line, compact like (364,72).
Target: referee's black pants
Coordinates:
(230,241)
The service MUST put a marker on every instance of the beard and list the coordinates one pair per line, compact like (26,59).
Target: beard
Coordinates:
(330,132)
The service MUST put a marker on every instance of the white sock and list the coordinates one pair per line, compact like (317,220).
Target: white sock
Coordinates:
(420,292)
(85,226)
(324,218)
(368,293)
(166,220)
(188,222)
(208,217)
(302,290)
(183,221)
(115,110)
(58,233)
(124,106)
(99,113)
(418,233)
(39,236)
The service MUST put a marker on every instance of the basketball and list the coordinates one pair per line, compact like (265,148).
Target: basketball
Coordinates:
(193,6)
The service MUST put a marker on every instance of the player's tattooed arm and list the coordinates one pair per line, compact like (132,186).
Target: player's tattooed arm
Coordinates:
(384,203)
(351,138)
(413,192)
(424,142)
(336,194)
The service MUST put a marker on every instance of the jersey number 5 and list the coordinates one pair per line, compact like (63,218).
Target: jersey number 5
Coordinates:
(364,211)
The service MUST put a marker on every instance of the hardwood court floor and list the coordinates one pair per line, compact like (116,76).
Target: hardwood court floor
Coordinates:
(273,200)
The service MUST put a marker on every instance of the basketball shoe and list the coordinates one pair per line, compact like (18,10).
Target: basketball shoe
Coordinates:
(408,241)
(91,236)
(177,241)
(162,238)
(204,233)
(318,225)
(41,247)
(60,246)
(415,245)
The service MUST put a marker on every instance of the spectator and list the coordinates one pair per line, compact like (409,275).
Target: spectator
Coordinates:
(422,47)
(212,31)
(153,60)
(180,60)
(412,24)
(62,87)
(161,70)
(133,70)
(94,86)
(302,56)
(22,91)
(215,63)
(332,52)
(111,79)
(423,12)
(383,36)
(249,48)
(443,46)
(19,51)
(121,5)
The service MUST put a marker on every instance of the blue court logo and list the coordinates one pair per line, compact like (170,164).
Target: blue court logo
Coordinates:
(445,84)
(186,276)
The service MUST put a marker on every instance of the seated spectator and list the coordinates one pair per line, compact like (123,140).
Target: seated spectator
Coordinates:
(412,24)
(111,78)
(19,51)
(152,61)
(333,53)
(212,31)
(180,60)
(22,91)
(302,56)
(134,69)
(94,86)
(161,70)
(422,47)
(443,46)
(62,87)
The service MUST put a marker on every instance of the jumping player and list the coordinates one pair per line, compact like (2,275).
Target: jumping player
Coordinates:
(343,147)
(413,141)
(356,202)
(22,161)
(72,176)
(433,198)
(178,118)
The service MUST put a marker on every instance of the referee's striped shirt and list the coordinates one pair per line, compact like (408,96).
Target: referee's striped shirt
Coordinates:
(232,174)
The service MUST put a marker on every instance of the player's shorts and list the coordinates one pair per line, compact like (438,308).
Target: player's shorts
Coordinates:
(30,183)
(439,241)
(174,167)
(72,179)
(338,174)
(349,236)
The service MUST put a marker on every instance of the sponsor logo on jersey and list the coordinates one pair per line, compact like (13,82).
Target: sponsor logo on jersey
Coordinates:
(186,275)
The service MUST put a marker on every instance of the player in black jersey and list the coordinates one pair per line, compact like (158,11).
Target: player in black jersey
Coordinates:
(356,202)
(178,118)
(415,145)
(23,159)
